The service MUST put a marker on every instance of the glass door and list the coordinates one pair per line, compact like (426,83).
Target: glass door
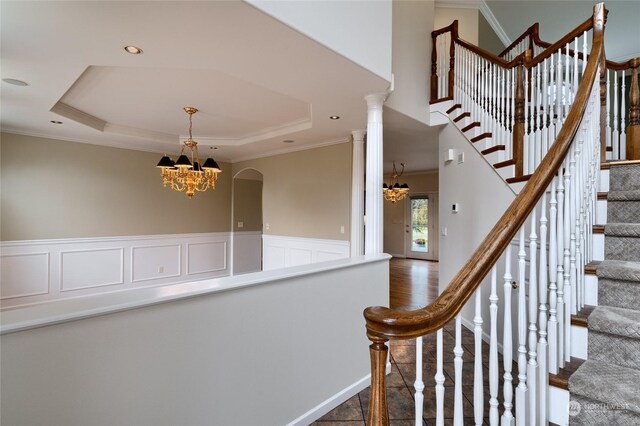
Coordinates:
(417,228)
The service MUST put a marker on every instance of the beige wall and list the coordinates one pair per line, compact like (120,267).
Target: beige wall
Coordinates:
(59,189)
(247,205)
(412,24)
(467,21)
(487,38)
(306,193)
(394,214)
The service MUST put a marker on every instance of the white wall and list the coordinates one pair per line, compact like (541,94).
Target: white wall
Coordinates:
(358,30)
(483,196)
(34,271)
(412,26)
(238,350)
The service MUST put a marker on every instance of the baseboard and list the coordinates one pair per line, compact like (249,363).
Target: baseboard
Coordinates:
(323,408)
(400,256)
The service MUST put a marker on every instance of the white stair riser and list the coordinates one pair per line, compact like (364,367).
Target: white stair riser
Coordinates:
(604,180)
(601,211)
(558,406)
(591,290)
(579,341)
(598,247)
(507,172)
(495,157)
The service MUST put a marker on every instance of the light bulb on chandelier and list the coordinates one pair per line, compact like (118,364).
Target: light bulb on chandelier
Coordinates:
(395,192)
(187,174)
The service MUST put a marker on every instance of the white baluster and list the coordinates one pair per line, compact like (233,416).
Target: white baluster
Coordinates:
(528,127)
(478,381)
(493,351)
(608,116)
(568,189)
(457,362)
(553,279)
(560,279)
(615,136)
(545,112)
(439,378)
(538,115)
(572,241)
(623,127)
(584,52)
(543,373)
(419,384)
(521,390)
(532,367)
(553,102)
(507,415)
(567,83)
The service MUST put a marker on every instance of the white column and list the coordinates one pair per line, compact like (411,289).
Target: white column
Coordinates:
(374,224)
(357,194)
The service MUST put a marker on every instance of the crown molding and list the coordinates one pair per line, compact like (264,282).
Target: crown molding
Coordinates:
(459,4)
(493,22)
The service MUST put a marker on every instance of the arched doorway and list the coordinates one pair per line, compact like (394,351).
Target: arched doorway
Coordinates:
(247,221)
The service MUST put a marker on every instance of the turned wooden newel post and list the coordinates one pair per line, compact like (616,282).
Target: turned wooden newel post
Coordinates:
(378,414)
(633,131)
(518,126)
(452,57)
(434,68)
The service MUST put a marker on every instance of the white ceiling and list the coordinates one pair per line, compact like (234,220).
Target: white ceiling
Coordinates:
(255,80)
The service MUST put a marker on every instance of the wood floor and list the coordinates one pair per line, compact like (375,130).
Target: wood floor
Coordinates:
(412,283)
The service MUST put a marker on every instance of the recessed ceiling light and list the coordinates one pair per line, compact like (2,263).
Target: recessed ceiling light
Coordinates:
(133,50)
(334,117)
(56,122)
(288,141)
(15,82)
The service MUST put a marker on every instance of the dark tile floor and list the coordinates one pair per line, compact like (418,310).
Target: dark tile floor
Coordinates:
(400,390)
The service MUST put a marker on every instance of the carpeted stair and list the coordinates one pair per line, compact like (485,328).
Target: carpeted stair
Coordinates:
(605,390)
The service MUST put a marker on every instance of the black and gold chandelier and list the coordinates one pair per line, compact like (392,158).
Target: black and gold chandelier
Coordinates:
(395,192)
(187,174)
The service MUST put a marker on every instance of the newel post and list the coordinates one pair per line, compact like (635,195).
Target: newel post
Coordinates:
(633,131)
(434,68)
(518,126)
(378,414)
(452,57)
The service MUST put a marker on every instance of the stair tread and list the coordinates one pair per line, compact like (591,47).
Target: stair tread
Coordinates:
(493,149)
(482,136)
(591,268)
(622,229)
(618,270)
(623,195)
(617,321)
(561,380)
(523,178)
(505,163)
(603,195)
(471,126)
(598,229)
(453,108)
(581,318)
(461,116)
(607,382)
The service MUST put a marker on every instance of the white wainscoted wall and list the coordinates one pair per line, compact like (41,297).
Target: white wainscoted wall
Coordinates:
(283,252)
(42,270)
(247,252)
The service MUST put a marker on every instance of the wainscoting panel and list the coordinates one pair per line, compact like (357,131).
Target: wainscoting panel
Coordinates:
(283,252)
(91,268)
(153,262)
(206,257)
(24,275)
(247,252)
(38,271)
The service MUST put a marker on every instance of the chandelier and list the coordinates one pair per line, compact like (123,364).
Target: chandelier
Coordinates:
(187,174)
(395,192)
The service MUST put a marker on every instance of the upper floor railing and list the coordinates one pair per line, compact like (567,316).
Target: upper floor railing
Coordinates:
(557,100)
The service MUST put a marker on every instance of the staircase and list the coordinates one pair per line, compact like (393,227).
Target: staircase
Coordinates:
(605,389)
(575,342)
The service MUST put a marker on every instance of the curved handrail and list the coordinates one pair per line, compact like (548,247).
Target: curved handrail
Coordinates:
(383,323)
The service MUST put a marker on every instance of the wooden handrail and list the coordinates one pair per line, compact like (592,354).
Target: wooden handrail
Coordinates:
(384,323)
(529,32)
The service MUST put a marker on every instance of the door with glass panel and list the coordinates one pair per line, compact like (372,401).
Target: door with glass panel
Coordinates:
(418,228)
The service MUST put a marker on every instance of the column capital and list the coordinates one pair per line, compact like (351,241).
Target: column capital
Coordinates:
(375,100)
(358,135)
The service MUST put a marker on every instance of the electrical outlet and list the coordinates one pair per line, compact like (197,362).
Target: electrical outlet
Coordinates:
(342,229)
(160,269)
(266,226)
(240,224)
